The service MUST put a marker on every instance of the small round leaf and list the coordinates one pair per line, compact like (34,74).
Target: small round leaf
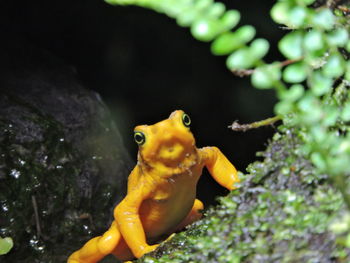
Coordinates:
(294,93)
(259,47)
(345,115)
(290,45)
(338,37)
(280,12)
(306,2)
(323,19)
(241,59)
(297,16)
(230,19)
(264,77)
(320,84)
(313,40)
(295,73)
(230,41)
(205,30)
(347,71)
(216,10)
(335,66)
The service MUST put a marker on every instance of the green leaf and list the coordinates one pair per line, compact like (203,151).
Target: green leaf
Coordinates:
(185,19)
(295,73)
(347,70)
(230,41)
(203,4)
(241,59)
(264,77)
(283,107)
(280,12)
(290,45)
(310,110)
(331,115)
(339,165)
(259,47)
(345,115)
(320,84)
(347,47)
(205,30)
(313,40)
(335,66)
(305,2)
(230,19)
(216,10)
(318,133)
(338,37)
(294,93)
(6,245)
(297,16)
(318,161)
(323,19)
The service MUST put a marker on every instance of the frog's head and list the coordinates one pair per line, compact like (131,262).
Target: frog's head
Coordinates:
(167,142)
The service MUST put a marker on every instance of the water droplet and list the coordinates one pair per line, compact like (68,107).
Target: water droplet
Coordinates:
(5,208)
(14,173)
(35,243)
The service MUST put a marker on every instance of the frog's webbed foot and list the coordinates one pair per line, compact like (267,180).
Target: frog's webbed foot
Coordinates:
(98,247)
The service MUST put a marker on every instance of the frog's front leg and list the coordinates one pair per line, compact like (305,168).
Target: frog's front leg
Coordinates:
(220,168)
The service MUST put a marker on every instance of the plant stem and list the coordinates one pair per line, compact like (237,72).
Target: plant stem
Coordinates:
(254,125)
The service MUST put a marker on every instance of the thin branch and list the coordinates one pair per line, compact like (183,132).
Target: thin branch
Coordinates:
(36,214)
(247,72)
(254,125)
(290,61)
(242,72)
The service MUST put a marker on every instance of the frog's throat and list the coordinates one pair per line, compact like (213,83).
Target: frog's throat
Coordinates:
(158,168)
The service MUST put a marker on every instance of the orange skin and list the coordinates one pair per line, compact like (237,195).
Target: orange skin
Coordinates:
(161,194)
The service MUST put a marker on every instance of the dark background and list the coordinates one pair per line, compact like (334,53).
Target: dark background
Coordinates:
(145,66)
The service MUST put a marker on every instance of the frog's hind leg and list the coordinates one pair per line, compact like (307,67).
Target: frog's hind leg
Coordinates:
(98,247)
(194,215)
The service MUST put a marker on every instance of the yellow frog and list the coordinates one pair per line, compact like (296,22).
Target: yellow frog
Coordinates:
(161,194)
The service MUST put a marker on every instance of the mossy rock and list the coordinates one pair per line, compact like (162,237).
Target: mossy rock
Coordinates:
(282,212)
(63,165)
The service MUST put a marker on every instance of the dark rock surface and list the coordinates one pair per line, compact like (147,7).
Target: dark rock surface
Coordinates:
(63,165)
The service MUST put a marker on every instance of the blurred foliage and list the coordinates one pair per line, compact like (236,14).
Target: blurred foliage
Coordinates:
(312,86)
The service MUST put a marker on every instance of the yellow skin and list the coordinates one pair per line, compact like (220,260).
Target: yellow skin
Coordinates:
(161,194)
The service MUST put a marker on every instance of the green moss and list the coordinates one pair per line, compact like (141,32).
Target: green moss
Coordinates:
(282,212)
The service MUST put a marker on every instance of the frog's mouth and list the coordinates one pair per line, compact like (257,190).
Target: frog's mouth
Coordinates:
(172,152)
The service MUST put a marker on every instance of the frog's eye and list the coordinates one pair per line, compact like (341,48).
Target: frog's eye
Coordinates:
(139,137)
(186,120)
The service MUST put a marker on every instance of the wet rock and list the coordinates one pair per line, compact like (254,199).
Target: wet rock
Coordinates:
(62,161)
